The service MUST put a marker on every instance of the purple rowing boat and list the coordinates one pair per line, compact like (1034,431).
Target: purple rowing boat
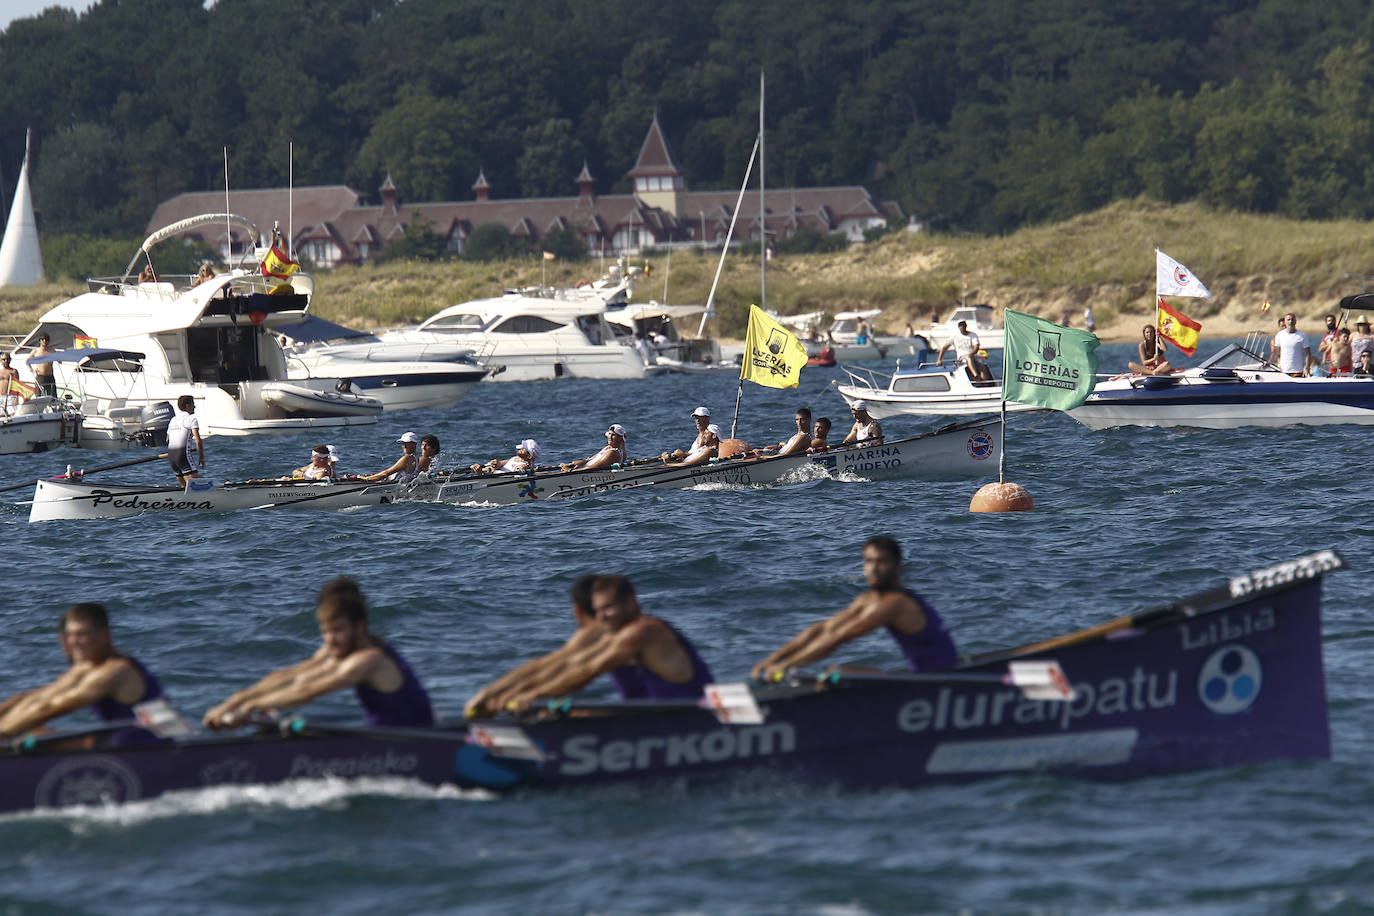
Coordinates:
(1227,677)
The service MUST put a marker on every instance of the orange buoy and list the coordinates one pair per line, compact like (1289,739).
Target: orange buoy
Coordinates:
(1001,497)
(729,448)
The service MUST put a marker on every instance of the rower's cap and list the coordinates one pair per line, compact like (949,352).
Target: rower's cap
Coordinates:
(702,412)
(859,405)
(409,437)
(617,429)
(714,429)
(530,446)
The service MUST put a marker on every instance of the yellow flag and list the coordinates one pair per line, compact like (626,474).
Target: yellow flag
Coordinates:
(772,354)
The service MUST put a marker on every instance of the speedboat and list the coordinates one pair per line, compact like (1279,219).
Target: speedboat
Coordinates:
(109,422)
(1234,387)
(36,424)
(924,390)
(980,322)
(1228,677)
(213,340)
(655,324)
(379,371)
(541,333)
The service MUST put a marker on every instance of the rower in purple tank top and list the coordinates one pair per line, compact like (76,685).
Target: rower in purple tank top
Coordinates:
(100,677)
(645,656)
(917,627)
(349,656)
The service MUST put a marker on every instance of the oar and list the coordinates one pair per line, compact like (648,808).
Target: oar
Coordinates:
(1038,680)
(31,743)
(300,725)
(108,467)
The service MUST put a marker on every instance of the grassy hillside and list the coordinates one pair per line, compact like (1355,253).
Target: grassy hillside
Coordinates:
(1104,258)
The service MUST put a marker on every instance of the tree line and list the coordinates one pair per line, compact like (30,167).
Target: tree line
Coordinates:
(975,115)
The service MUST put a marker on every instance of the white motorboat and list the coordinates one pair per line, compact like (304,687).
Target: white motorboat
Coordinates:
(925,390)
(401,376)
(1232,388)
(109,422)
(980,322)
(213,340)
(36,425)
(540,333)
(60,499)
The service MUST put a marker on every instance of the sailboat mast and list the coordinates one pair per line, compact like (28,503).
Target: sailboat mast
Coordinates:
(763,215)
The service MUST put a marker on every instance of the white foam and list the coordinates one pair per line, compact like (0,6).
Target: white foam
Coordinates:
(295,795)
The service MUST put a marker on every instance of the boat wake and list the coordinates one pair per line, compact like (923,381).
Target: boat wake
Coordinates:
(297,795)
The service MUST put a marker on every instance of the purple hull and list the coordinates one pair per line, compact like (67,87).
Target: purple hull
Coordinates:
(1220,679)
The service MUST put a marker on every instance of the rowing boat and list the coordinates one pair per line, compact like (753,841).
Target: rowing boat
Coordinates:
(73,499)
(960,449)
(1227,677)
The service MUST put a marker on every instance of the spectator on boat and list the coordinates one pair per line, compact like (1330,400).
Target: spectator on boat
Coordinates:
(1325,344)
(526,455)
(910,332)
(1088,324)
(799,441)
(100,676)
(185,447)
(700,445)
(820,435)
(1295,354)
(147,275)
(865,430)
(1339,354)
(349,656)
(645,656)
(319,467)
(406,467)
(1366,367)
(494,697)
(861,331)
(43,372)
(1361,341)
(645,350)
(1273,358)
(7,387)
(613,452)
(966,346)
(205,273)
(429,450)
(1153,354)
(917,627)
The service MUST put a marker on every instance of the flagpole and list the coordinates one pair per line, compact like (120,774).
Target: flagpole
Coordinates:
(228,229)
(291,199)
(763,214)
(1002,455)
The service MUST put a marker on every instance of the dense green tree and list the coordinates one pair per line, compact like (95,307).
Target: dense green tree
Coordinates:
(491,242)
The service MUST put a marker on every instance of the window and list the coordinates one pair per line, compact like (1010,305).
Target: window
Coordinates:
(454,323)
(933,383)
(525,324)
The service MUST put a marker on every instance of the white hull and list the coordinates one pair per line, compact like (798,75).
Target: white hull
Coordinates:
(37,432)
(924,393)
(396,384)
(55,500)
(967,450)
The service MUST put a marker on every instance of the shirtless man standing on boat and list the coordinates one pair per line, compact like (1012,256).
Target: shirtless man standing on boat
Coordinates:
(865,430)
(917,627)
(494,697)
(645,656)
(349,656)
(100,676)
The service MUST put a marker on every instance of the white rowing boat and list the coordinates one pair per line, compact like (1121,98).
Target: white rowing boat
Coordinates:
(72,499)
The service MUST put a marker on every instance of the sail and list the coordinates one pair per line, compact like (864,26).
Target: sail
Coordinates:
(21,261)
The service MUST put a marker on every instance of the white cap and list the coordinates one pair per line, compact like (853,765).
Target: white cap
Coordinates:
(702,412)
(530,446)
(409,437)
(321,450)
(333,455)
(617,429)
(714,429)
(859,405)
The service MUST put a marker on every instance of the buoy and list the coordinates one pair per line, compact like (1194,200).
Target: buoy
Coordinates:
(729,448)
(1001,497)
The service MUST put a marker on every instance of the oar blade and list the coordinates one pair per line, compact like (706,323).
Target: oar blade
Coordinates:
(505,741)
(1041,680)
(733,704)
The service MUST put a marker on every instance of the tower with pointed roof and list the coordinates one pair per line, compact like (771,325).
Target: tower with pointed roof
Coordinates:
(658,181)
(481,187)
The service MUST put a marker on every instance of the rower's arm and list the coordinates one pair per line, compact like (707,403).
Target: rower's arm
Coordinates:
(45,704)
(316,682)
(383,475)
(615,652)
(532,671)
(819,640)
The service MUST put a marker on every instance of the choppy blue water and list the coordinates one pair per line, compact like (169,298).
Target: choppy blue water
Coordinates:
(1125,519)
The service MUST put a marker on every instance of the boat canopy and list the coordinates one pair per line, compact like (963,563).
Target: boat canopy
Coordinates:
(192,222)
(86,354)
(632,313)
(866,314)
(315,330)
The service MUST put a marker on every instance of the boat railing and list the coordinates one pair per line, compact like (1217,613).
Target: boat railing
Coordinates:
(170,286)
(864,377)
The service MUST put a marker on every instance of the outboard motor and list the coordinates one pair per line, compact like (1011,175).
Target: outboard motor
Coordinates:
(155,418)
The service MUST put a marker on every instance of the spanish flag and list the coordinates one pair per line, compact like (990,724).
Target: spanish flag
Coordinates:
(278,264)
(82,342)
(23,390)
(1178,328)
(773,356)
(550,256)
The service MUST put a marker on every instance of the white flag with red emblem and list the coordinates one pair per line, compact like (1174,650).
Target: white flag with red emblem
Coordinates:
(1173,279)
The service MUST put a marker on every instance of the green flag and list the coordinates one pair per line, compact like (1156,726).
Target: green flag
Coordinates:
(1045,364)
